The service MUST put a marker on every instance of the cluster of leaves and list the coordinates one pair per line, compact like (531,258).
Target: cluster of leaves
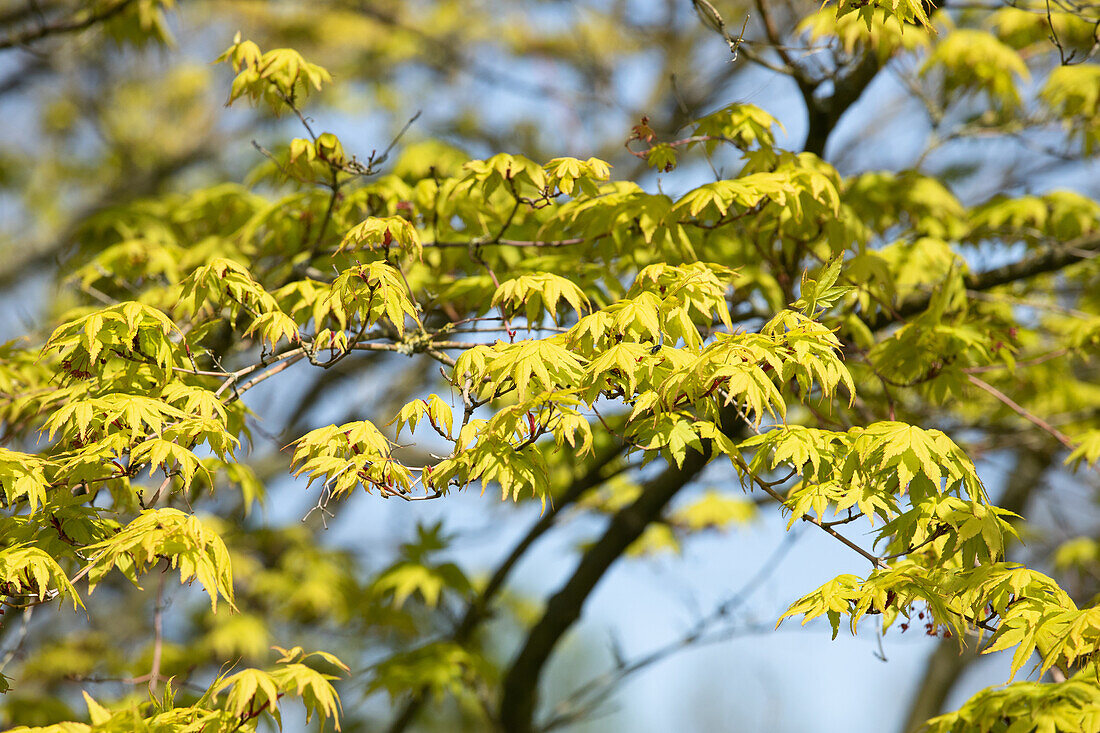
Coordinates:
(250,696)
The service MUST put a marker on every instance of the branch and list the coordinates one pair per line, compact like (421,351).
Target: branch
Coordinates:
(791,68)
(158,633)
(876,562)
(68,25)
(517,243)
(825,114)
(1055,258)
(1021,411)
(478,610)
(13,650)
(444,54)
(946,664)
(583,701)
(280,362)
(822,114)
(520,685)
(590,695)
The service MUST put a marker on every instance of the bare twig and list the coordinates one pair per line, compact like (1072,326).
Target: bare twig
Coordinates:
(1021,411)
(588,696)
(158,633)
(17,644)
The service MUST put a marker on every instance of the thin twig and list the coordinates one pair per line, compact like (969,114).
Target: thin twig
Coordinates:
(158,633)
(588,696)
(24,625)
(1022,412)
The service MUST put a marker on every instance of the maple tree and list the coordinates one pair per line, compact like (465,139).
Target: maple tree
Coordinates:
(838,347)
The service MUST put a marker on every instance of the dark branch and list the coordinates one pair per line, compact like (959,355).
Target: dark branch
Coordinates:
(520,686)
(1053,259)
(593,692)
(824,114)
(66,25)
(479,608)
